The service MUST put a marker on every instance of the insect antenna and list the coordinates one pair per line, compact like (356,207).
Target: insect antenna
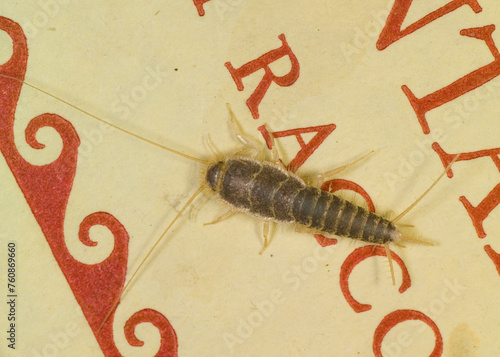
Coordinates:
(402,214)
(204,162)
(146,257)
(106,122)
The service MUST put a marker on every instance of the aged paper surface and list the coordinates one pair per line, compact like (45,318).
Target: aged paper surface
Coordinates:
(157,69)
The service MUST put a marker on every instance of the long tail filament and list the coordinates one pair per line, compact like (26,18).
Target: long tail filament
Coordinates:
(402,214)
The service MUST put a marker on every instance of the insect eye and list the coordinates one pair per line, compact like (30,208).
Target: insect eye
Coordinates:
(213,175)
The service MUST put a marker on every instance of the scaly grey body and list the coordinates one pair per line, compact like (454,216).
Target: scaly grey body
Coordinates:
(264,189)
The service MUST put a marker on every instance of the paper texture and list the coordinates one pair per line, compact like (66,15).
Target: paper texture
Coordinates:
(157,69)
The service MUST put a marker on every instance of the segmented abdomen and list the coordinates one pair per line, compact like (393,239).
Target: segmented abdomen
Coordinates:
(263,189)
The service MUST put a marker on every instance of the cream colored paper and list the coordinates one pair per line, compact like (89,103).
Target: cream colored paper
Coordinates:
(157,69)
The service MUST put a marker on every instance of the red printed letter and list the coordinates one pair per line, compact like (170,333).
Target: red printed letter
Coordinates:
(199,6)
(392,30)
(461,86)
(263,62)
(399,316)
(306,149)
(357,257)
(494,256)
(477,214)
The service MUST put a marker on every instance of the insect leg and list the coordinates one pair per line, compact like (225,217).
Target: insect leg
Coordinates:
(265,232)
(251,145)
(225,215)
(388,253)
(266,224)
(274,150)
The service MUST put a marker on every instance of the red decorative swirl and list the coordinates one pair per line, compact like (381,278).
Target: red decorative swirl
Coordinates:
(47,189)
(168,347)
